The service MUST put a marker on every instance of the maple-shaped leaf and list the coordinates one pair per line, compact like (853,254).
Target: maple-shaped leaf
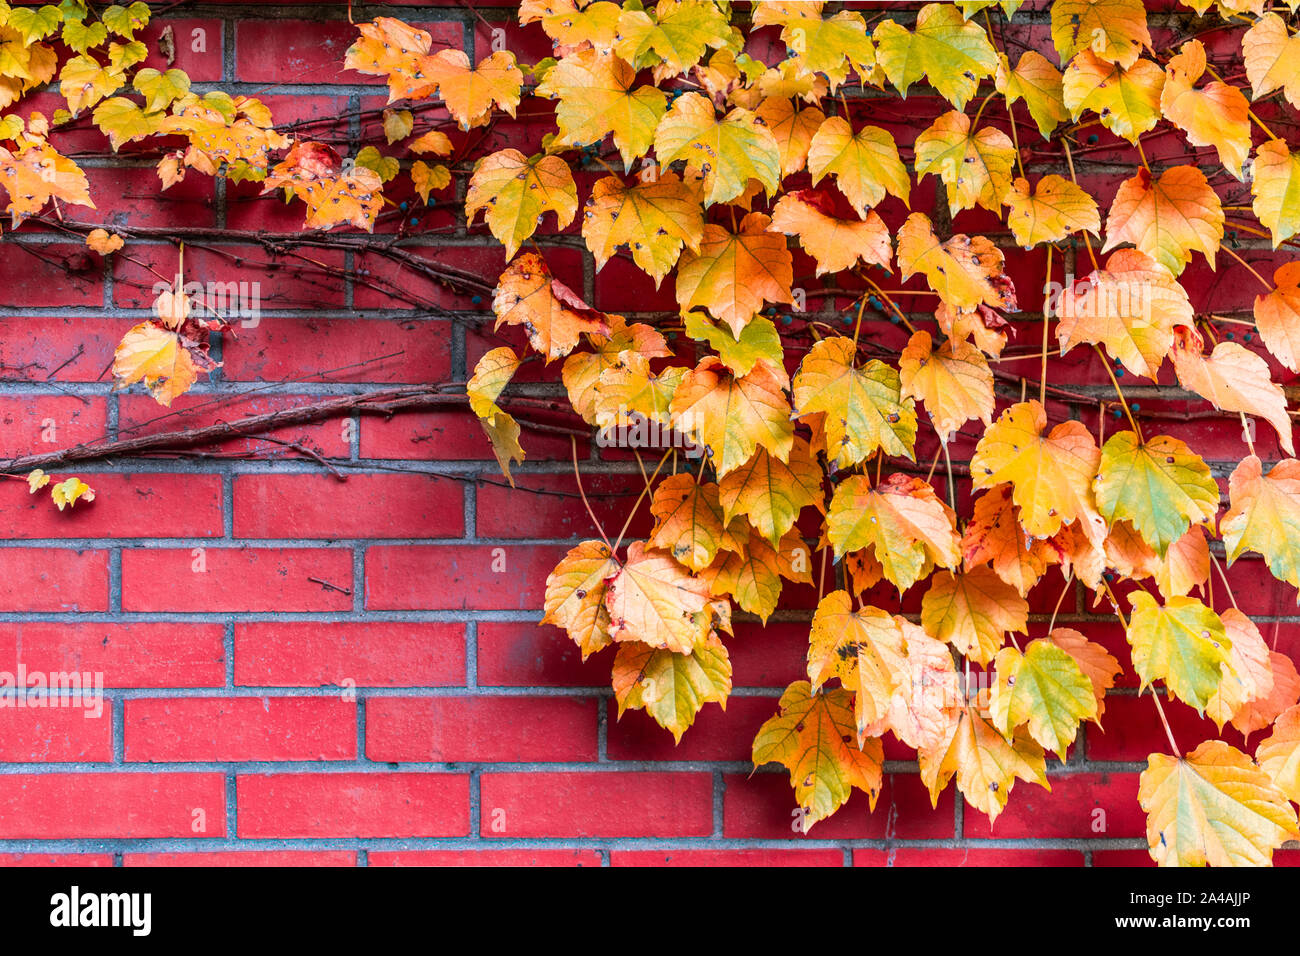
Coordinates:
(652,219)
(653,600)
(688,520)
(792,127)
(503,434)
(596,98)
(1114,30)
(513,191)
(1258,714)
(582,370)
(1264,516)
(836,244)
(864,650)
(1186,564)
(814,736)
(671,687)
(1055,208)
(1278,754)
(975,167)
(1275,186)
(553,315)
(1126,100)
(1167,219)
(1232,378)
(986,764)
(734,273)
(927,701)
(901,520)
(573,24)
(1036,81)
(388,47)
(427,179)
(966,271)
(313,172)
(770,492)
(1272,58)
(165,354)
(751,572)
(1248,676)
(469,92)
(35,175)
(733,415)
(1097,663)
(1183,643)
(68,492)
(726,152)
(954,381)
(1045,689)
(84,81)
(830,45)
(575,595)
(674,39)
(1050,474)
(1213,807)
(1160,485)
(759,341)
(1215,115)
(994,537)
(1277,316)
(492,373)
(103,241)
(628,388)
(1131,307)
(865,164)
(981,326)
(952,54)
(973,611)
(864,406)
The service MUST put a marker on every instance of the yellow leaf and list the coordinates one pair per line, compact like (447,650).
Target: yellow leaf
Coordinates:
(83,82)
(470,93)
(161,89)
(1094,660)
(975,168)
(103,241)
(1183,643)
(865,164)
(864,650)
(1056,208)
(491,375)
(427,179)
(575,595)
(154,355)
(793,129)
(513,191)
(627,388)
(1277,316)
(67,493)
(652,600)
(1272,57)
(35,480)
(1276,190)
(831,45)
(986,765)
(37,174)
(1126,99)
(1278,755)
(1045,689)
(688,520)
(954,381)
(1167,219)
(1216,115)
(949,52)
(553,315)
(123,121)
(973,611)
(1036,81)
(582,370)
(433,141)
(652,219)
(836,244)
(751,572)
(732,415)
(734,273)
(1114,30)
(398,125)
(1264,516)
(770,492)
(759,342)
(672,688)
(966,271)
(503,433)
(727,153)
(675,39)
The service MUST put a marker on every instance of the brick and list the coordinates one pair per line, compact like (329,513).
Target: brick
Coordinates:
(541,804)
(549,506)
(968,856)
(1068,811)
(310,52)
(364,506)
(120,806)
(45,579)
(242,728)
(140,415)
(312,805)
(199,45)
(525,654)
(61,348)
(716,734)
(138,654)
(51,275)
(1133,730)
(369,654)
(127,196)
(244,858)
(33,424)
(685,857)
(125,506)
(403,577)
(236,579)
(459,277)
(69,732)
(56,859)
(474,729)
(520,857)
(455,434)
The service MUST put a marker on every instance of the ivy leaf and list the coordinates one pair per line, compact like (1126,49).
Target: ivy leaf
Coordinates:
(1169,219)
(1055,208)
(1160,485)
(1114,30)
(1232,378)
(566,24)
(652,600)
(1277,316)
(582,370)
(734,273)
(1093,660)
(1214,807)
(751,573)
(123,121)
(675,39)
(388,47)
(1257,714)
(864,650)
(836,244)
(727,153)
(1045,689)
(432,141)
(814,737)
(925,707)
(830,45)
(513,191)
(1183,643)
(949,52)
(1050,474)
(688,520)
(103,241)
(994,537)
(398,125)
(596,98)
(793,129)
(575,595)
(986,764)
(901,520)
(733,415)
(954,381)
(67,493)
(966,271)
(865,164)
(975,168)
(652,219)
(1186,564)
(628,388)
(1272,57)
(759,342)
(864,406)
(314,173)
(1264,516)
(1036,81)
(1248,676)
(471,92)
(973,611)
(1216,115)
(1278,754)
(492,373)
(1276,190)
(84,82)
(672,688)
(1131,307)
(553,315)
(1125,99)
(38,174)
(156,355)
(427,179)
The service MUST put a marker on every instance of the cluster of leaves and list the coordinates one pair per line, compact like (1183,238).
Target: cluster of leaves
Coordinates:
(64,494)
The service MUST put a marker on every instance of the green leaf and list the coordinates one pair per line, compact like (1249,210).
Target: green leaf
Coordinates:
(386,166)
(759,340)
(34,24)
(1044,688)
(1183,643)
(160,89)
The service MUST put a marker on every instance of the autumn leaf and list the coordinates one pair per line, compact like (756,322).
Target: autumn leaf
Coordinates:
(552,314)
(1050,474)
(1036,81)
(926,705)
(68,492)
(1264,516)
(1272,58)
(1276,190)
(1258,714)
(865,164)
(513,191)
(792,128)
(1114,30)
(652,219)
(864,650)
(628,388)
(35,175)
(954,381)
(864,406)
(1160,485)
(653,600)
(1097,663)
(1183,643)
(597,98)
(314,173)
(986,764)
(1214,807)
(727,153)
(36,479)
(1278,754)
(1045,689)
(427,179)
(492,373)
(688,520)
(973,611)
(1277,316)
(949,52)
(167,363)
(433,141)
(814,736)
(469,92)
(675,39)
(751,572)
(1186,564)
(582,370)
(993,536)
(734,273)
(1125,99)
(836,244)
(1055,208)
(733,415)
(770,492)
(759,341)
(830,45)
(975,168)
(1248,676)
(575,595)
(672,688)
(1216,115)
(103,241)
(966,271)
(572,26)
(1167,219)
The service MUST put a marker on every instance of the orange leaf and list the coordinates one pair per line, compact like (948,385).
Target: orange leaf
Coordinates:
(733,274)
(1216,115)
(553,315)
(966,271)
(994,536)
(733,415)
(1167,219)
(653,600)
(1277,316)
(836,244)
(954,381)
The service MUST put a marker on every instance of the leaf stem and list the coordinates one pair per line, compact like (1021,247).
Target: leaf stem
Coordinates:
(890,302)
(1137,429)
(636,504)
(1042,377)
(573,443)
(1165,721)
(1224,578)
(1249,268)
(1069,159)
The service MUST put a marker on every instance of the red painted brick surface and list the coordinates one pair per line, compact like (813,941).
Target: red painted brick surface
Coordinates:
(341,665)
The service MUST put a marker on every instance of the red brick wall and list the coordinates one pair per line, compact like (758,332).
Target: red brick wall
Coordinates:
(410,709)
